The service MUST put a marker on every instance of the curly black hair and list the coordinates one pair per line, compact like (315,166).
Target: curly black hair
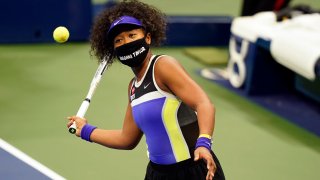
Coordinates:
(152,19)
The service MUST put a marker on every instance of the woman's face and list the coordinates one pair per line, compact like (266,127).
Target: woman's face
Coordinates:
(129,36)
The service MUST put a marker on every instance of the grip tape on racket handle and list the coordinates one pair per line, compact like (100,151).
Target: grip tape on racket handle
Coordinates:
(83,108)
(73,128)
(81,112)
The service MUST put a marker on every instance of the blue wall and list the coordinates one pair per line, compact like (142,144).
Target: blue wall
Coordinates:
(198,30)
(35,20)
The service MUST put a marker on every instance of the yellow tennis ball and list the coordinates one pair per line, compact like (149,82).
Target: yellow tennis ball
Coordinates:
(61,34)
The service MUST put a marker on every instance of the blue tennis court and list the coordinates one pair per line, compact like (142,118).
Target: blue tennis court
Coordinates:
(17,165)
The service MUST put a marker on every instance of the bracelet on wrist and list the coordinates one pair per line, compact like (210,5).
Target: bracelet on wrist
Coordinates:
(205,135)
(204,142)
(86,132)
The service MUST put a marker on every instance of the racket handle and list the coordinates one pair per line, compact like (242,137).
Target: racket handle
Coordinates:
(81,112)
(83,108)
(73,128)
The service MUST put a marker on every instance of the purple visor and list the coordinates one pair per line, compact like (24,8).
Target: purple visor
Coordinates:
(123,20)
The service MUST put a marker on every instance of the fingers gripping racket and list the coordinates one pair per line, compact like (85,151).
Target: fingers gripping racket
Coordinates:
(86,102)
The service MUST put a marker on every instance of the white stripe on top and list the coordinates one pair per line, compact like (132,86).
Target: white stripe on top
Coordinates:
(147,97)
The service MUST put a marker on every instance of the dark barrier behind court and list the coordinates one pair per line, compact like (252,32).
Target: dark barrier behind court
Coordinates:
(25,21)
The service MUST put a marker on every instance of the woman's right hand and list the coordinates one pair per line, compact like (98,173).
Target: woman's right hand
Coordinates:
(80,122)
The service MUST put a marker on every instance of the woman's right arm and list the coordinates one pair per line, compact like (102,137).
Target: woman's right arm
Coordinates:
(126,138)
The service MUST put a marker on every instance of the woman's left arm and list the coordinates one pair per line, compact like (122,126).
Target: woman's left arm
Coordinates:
(172,77)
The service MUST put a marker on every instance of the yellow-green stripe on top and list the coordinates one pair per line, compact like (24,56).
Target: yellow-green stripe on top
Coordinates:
(170,120)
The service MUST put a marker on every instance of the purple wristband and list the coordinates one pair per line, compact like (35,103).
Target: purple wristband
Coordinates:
(204,142)
(86,132)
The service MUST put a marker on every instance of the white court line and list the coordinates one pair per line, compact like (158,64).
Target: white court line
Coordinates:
(25,158)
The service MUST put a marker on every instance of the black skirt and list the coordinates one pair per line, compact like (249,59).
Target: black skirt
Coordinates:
(184,170)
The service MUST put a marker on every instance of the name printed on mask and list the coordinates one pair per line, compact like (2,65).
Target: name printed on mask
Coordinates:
(134,54)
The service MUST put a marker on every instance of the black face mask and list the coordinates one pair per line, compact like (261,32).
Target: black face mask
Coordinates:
(133,53)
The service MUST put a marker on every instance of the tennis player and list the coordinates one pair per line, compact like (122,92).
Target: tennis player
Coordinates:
(164,103)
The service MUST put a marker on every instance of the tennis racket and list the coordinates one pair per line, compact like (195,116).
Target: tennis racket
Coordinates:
(86,102)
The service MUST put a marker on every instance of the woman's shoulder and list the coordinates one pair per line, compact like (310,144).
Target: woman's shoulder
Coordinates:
(167,66)
(166,60)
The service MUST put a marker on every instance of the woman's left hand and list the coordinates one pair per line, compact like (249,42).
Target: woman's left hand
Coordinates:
(204,153)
